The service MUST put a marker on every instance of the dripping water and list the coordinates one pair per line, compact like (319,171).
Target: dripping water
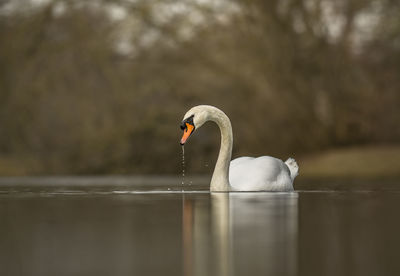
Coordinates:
(183,166)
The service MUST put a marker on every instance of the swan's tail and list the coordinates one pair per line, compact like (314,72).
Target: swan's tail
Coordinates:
(293,167)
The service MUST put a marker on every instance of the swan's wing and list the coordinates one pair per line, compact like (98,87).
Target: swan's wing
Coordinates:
(265,167)
(262,173)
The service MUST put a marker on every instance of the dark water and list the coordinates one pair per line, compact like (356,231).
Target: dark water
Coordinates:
(164,232)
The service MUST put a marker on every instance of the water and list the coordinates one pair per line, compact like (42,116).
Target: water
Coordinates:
(92,229)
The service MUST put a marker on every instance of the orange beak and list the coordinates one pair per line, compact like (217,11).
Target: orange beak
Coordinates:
(186,133)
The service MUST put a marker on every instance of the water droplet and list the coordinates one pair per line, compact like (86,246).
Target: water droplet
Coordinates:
(183,166)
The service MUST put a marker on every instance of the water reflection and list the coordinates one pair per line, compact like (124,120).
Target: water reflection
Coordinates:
(312,233)
(240,233)
(349,233)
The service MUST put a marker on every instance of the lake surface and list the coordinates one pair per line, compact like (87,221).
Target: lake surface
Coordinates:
(107,226)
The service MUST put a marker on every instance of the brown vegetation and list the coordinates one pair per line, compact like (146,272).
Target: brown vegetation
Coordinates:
(83,92)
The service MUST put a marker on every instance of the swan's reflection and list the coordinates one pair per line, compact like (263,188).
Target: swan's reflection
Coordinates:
(240,233)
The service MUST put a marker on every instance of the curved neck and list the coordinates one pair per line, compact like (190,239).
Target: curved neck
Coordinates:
(220,178)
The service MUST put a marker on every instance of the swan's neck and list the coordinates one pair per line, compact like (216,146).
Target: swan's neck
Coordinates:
(220,178)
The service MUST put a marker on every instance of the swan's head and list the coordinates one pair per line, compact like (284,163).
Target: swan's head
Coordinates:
(193,120)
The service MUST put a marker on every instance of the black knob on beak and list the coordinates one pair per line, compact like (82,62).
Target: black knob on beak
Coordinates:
(183,125)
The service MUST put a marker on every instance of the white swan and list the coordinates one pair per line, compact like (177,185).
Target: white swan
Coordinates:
(264,173)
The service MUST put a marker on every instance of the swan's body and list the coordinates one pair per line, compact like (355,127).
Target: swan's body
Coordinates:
(245,173)
(259,174)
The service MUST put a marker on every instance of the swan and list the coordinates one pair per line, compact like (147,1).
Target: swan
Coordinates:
(263,173)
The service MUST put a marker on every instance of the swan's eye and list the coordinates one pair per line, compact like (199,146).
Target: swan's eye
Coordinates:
(183,125)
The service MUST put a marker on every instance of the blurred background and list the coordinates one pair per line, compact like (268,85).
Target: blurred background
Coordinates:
(100,86)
